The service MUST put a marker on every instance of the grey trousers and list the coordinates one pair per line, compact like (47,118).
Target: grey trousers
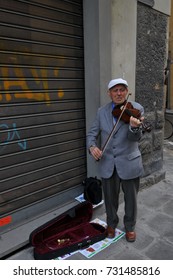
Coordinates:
(111,190)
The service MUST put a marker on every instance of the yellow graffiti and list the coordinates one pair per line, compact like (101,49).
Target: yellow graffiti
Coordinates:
(45,84)
(60,93)
(56,72)
(0,94)
(21,82)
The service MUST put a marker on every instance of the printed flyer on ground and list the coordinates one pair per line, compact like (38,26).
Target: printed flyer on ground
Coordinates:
(96,247)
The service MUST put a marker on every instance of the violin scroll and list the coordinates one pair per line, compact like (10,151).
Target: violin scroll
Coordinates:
(146,126)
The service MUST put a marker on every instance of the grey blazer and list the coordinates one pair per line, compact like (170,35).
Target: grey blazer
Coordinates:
(122,151)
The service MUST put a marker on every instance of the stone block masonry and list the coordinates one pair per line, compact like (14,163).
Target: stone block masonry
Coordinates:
(150,63)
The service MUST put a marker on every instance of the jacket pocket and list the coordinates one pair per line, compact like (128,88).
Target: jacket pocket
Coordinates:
(134,155)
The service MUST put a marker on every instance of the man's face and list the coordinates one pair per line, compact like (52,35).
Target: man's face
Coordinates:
(118,94)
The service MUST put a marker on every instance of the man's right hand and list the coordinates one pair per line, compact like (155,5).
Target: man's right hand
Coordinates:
(96,152)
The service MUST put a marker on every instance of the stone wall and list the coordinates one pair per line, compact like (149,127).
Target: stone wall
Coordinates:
(150,64)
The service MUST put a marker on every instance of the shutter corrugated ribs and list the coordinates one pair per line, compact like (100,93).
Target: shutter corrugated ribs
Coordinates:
(42,101)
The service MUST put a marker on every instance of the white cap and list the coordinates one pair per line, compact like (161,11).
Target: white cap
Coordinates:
(115,82)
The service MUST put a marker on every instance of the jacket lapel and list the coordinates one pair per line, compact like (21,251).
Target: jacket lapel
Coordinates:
(109,118)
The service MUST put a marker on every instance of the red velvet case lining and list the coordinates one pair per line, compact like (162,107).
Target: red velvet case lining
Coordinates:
(69,228)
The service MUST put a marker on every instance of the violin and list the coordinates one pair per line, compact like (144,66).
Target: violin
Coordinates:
(124,112)
(130,111)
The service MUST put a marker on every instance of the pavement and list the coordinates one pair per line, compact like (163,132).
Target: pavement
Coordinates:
(154,224)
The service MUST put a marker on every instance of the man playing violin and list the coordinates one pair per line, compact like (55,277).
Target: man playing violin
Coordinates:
(120,163)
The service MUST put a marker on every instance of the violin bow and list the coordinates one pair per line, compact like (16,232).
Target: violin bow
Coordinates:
(114,127)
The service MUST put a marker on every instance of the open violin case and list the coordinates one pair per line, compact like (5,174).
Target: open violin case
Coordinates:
(69,232)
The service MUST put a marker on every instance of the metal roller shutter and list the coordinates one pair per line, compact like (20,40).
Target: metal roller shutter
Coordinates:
(42,112)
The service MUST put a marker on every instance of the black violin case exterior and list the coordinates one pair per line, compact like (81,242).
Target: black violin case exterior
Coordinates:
(69,232)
